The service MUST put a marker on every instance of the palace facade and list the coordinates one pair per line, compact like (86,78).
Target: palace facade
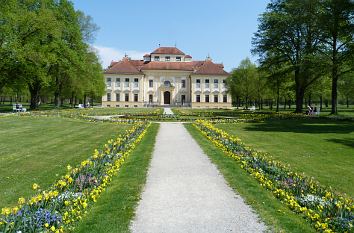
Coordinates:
(166,77)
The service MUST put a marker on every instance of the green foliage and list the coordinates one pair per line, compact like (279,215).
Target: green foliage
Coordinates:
(43,46)
(245,82)
(314,39)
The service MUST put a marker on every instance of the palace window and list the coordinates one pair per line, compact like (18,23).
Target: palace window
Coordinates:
(150,99)
(117,82)
(108,96)
(151,83)
(117,96)
(108,83)
(136,82)
(224,82)
(178,59)
(206,83)
(136,98)
(224,98)
(167,83)
(216,98)
(207,98)
(167,58)
(183,83)
(126,84)
(126,97)
(156,58)
(216,83)
(198,98)
(198,83)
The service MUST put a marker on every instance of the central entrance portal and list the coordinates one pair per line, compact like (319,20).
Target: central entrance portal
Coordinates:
(167,97)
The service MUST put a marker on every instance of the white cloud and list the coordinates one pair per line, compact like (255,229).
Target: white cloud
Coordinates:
(108,54)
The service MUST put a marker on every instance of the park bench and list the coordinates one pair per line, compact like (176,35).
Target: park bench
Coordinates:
(80,106)
(18,108)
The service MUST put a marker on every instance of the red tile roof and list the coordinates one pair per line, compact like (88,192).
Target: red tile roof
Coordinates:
(168,50)
(210,68)
(125,66)
(157,65)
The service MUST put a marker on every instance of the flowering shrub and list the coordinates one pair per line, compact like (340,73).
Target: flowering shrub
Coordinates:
(328,211)
(66,201)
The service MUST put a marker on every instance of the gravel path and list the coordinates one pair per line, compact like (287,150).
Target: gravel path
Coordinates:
(167,111)
(186,193)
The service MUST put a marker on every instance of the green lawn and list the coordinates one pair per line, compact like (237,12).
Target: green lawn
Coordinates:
(275,214)
(37,150)
(115,209)
(321,148)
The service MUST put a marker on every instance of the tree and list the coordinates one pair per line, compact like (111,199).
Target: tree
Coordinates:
(346,87)
(242,82)
(337,28)
(43,46)
(288,34)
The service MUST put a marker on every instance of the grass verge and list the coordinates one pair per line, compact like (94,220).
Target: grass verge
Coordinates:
(321,148)
(115,209)
(276,215)
(38,149)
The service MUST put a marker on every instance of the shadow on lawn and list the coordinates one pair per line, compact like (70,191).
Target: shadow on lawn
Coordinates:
(304,126)
(344,141)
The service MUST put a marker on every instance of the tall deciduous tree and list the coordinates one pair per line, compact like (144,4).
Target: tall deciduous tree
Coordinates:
(243,80)
(43,44)
(336,23)
(288,34)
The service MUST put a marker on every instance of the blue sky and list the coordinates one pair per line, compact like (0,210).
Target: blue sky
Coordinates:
(222,28)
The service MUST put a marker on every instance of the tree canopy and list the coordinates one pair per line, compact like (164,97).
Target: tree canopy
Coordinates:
(312,38)
(44,47)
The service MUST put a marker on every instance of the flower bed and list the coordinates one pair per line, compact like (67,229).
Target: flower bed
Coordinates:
(66,201)
(326,210)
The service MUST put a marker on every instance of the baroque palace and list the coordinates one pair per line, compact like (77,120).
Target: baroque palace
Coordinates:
(166,77)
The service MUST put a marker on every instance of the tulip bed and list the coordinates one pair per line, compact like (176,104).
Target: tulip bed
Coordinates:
(326,210)
(65,202)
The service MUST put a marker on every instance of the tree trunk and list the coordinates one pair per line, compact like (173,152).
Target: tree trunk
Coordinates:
(285,103)
(34,90)
(289,103)
(85,100)
(321,100)
(334,75)
(347,102)
(72,99)
(299,92)
(310,100)
(259,103)
(334,95)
